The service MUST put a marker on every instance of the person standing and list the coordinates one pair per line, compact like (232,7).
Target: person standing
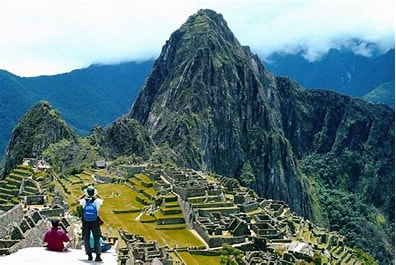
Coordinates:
(56,237)
(91,203)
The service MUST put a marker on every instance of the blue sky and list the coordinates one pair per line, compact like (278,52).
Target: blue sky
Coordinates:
(40,37)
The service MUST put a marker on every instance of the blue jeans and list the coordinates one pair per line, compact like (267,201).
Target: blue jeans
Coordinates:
(106,247)
(87,227)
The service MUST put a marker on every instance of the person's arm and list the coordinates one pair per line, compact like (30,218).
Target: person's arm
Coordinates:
(67,245)
(82,202)
(45,239)
(66,240)
(65,237)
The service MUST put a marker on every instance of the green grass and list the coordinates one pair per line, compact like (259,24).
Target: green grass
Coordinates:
(121,197)
(22,172)
(198,259)
(143,177)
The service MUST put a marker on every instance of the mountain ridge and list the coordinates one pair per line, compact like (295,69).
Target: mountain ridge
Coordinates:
(21,93)
(339,70)
(87,97)
(177,107)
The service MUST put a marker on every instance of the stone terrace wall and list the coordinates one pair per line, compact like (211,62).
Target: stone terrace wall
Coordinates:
(7,218)
(34,236)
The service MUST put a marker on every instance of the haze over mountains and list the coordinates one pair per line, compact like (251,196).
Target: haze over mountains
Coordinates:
(210,104)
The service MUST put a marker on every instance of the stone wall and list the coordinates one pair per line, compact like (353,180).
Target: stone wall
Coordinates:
(26,231)
(35,200)
(248,207)
(33,237)
(7,219)
(23,228)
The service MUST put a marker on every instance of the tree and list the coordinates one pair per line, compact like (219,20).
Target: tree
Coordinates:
(230,255)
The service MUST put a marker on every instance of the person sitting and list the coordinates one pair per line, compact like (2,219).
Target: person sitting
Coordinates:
(104,245)
(55,237)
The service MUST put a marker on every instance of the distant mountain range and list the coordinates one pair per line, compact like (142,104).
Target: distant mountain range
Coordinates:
(96,95)
(100,93)
(343,71)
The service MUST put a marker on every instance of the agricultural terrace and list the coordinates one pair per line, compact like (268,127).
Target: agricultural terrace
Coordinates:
(121,208)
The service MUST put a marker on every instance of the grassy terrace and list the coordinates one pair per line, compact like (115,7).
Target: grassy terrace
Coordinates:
(22,172)
(121,209)
(198,259)
(121,197)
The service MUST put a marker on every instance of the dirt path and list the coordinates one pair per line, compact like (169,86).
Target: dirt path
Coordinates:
(138,217)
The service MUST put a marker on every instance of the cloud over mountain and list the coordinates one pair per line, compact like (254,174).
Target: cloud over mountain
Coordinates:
(49,37)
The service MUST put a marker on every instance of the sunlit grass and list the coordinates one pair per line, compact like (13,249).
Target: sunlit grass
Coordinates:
(120,200)
(198,259)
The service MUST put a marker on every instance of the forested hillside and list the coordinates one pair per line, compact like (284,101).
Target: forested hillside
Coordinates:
(342,71)
(86,97)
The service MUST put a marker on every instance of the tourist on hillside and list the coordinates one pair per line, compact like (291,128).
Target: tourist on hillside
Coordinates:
(104,245)
(91,203)
(55,238)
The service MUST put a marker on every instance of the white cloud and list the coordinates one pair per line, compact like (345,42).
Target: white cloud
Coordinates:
(52,36)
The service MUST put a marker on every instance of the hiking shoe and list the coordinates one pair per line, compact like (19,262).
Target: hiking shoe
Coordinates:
(89,256)
(98,258)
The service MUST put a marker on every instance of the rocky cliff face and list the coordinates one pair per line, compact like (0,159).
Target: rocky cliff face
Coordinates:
(38,128)
(320,121)
(125,136)
(211,101)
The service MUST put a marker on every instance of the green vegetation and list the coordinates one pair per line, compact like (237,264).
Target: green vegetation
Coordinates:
(91,88)
(191,259)
(21,182)
(372,78)
(328,156)
(348,204)
(384,93)
(230,255)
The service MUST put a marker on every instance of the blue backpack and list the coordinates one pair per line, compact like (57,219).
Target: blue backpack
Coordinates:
(90,212)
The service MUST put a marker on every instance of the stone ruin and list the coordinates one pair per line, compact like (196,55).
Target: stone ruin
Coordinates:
(220,211)
(20,229)
(23,226)
(140,251)
(224,212)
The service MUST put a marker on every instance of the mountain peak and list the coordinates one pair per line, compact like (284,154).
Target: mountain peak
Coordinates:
(195,59)
(207,22)
(211,101)
(38,128)
(206,30)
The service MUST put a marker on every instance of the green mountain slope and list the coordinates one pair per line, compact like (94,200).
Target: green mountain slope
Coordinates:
(15,100)
(384,93)
(40,127)
(208,100)
(96,95)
